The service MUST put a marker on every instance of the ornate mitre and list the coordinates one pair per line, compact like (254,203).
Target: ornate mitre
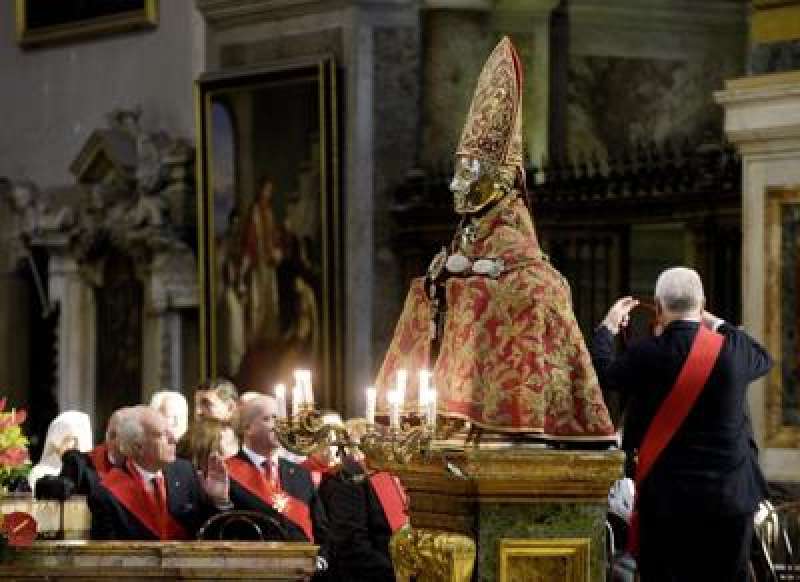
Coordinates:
(493,130)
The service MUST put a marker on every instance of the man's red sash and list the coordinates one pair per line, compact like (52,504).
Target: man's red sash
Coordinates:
(127,487)
(316,469)
(253,479)
(99,458)
(673,411)
(392,497)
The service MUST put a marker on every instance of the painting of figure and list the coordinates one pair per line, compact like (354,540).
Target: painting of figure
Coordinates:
(270,234)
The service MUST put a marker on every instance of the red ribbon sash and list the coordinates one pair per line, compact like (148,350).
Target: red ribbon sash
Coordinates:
(673,411)
(253,480)
(392,497)
(128,488)
(99,458)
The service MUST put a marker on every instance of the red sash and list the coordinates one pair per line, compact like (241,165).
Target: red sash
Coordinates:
(392,497)
(673,411)
(127,487)
(99,458)
(252,478)
(316,469)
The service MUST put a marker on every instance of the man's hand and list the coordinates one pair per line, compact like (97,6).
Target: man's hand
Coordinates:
(216,481)
(618,316)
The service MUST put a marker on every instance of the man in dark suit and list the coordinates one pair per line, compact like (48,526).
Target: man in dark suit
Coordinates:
(81,472)
(154,496)
(262,480)
(363,512)
(696,505)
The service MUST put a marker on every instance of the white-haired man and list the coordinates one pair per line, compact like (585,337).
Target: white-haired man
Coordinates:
(154,496)
(175,409)
(698,480)
(82,472)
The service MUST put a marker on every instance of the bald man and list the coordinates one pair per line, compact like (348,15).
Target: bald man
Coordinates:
(154,496)
(262,480)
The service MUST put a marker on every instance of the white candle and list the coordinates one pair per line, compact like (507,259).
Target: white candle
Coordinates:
(303,378)
(394,409)
(280,398)
(423,395)
(372,396)
(297,399)
(402,380)
(433,396)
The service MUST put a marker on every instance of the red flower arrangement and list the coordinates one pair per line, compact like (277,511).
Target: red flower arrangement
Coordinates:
(17,528)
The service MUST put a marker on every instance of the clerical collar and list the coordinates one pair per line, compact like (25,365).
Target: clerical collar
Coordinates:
(258,459)
(147,476)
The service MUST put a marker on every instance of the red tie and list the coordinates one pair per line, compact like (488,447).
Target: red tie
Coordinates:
(160,497)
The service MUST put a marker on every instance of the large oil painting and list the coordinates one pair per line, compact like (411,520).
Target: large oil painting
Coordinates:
(270,234)
(42,22)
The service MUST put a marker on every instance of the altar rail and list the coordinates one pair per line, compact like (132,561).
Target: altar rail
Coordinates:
(85,560)
(63,552)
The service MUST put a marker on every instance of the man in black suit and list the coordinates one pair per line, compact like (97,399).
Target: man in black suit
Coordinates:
(696,505)
(262,480)
(154,496)
(363,513)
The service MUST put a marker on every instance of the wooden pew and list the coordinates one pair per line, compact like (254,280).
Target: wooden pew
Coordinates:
(63,552)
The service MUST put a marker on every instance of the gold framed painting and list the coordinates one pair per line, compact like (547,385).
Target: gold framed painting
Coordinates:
(41,22)
(782,316)
(270,235)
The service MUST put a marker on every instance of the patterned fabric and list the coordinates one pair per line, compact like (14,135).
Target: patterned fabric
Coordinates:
(512,357)
(493,130)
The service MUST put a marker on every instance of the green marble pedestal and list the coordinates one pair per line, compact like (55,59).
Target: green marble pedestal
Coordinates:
(522,513)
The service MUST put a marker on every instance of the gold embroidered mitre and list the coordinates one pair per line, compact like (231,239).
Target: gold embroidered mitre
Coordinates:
(493,130)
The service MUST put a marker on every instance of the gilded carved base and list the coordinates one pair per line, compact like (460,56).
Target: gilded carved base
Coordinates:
(432,556)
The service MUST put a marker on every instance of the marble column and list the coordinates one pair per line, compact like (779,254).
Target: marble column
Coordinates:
(762,117)
(74,296)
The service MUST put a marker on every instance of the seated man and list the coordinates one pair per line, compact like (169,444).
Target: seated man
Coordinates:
(154,496)
(81,472)
(216,399)
(173,406)
(262,480)
(364,510)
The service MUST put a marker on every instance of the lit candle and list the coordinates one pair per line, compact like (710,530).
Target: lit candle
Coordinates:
(433,396)
(297,399)
(280,398)
(303,378)
(394,409)
(372,396)
(402,380)
(423,394)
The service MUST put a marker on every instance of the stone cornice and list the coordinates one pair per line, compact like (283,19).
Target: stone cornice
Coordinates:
(763,108)
(659,15)
(230,13)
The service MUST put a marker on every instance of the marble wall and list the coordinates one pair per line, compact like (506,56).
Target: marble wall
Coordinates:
(61,93)
(647,70)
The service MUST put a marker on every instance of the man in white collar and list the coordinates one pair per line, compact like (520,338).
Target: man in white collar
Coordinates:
(263,480)
(153,495)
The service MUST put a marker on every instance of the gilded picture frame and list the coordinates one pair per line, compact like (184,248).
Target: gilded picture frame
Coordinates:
(43,22)
(270,235)
(781,310)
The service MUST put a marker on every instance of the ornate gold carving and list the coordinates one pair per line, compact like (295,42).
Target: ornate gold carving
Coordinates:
(544,560)
(432,556)
(778,434)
